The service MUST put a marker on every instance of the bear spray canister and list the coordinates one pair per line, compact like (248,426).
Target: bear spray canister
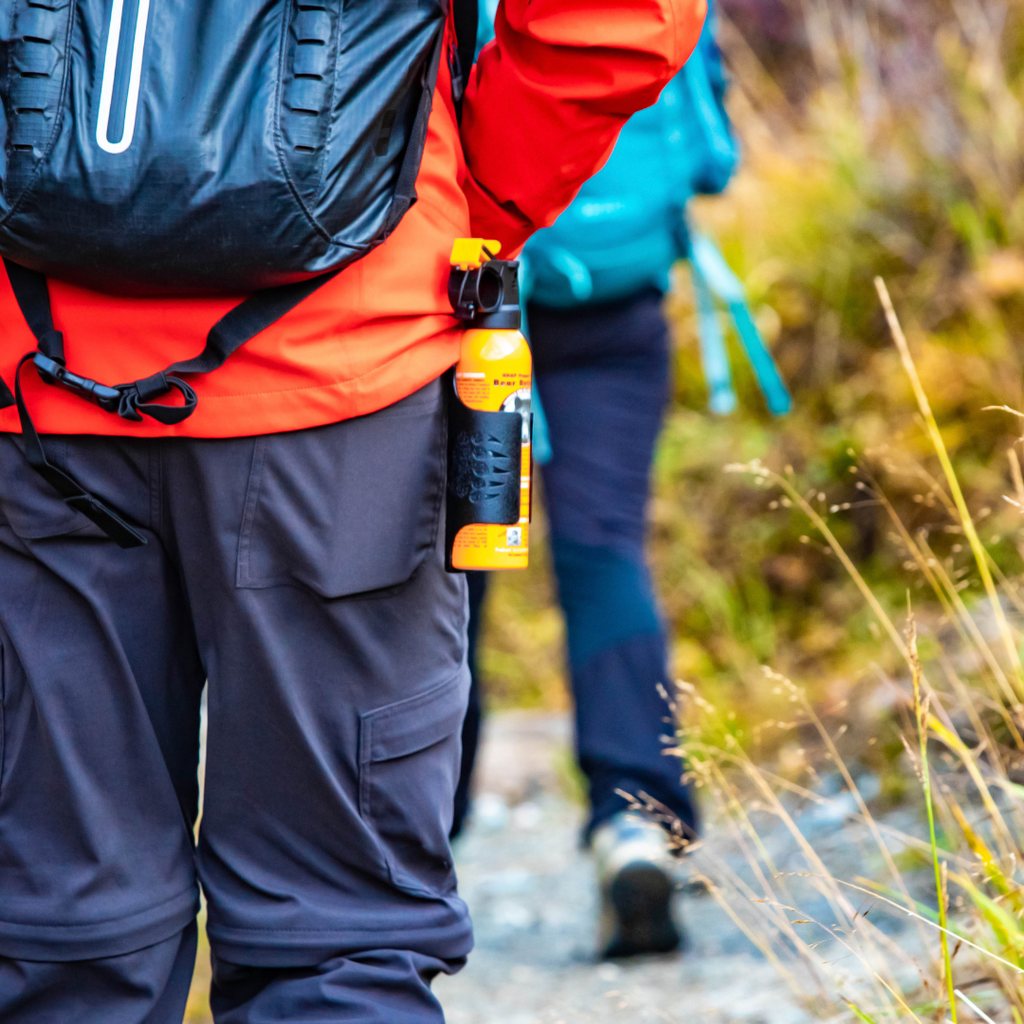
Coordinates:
(489,454)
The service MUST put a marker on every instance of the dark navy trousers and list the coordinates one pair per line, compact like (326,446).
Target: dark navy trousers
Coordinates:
(301,575)
(603,376)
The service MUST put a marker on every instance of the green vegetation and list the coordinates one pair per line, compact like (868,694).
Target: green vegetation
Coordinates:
(857,179)
(859,554)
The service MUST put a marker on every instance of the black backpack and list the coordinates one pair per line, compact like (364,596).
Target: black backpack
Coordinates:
(280,141)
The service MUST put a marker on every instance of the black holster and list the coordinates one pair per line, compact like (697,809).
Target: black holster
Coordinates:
(485,462)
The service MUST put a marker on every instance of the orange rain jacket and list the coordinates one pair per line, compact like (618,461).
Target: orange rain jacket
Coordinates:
(542,112)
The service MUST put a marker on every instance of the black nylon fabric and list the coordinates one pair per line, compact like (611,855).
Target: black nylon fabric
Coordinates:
(270,141)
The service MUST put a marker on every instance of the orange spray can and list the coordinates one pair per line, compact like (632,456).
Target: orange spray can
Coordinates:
(490,461)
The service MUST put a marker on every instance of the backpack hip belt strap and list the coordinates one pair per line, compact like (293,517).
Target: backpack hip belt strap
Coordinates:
(129,401)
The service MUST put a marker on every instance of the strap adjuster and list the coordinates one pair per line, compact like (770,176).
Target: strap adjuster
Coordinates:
(136,399)
(129,401)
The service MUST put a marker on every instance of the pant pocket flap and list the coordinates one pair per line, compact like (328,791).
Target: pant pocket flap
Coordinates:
(348,508)
(416,723)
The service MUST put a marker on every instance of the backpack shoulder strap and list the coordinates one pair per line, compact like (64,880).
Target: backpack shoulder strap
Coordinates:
(711,115)
(465,18)
(466,14)
(712,276)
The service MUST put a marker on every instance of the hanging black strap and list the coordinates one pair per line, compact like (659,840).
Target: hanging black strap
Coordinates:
(33,296)
(129,401)
(112,522)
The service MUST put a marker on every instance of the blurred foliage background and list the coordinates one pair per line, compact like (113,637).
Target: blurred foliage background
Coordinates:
(880,137)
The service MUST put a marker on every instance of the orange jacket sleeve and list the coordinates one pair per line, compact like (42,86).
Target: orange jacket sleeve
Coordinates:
(549,94)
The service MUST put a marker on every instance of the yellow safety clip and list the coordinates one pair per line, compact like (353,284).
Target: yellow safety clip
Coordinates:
(473,253)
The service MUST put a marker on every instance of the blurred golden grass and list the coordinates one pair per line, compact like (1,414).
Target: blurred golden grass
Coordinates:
(980,808)
(896,161)
(877,559)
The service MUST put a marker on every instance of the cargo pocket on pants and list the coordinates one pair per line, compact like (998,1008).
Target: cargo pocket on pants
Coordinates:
(347,508)
(408,769)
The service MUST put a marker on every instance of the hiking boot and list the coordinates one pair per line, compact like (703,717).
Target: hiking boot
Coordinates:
(635,872)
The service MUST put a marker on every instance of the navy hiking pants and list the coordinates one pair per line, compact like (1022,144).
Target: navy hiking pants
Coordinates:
(603,375)
(301,575)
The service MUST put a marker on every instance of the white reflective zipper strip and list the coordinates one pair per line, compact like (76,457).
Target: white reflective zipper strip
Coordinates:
(134,80)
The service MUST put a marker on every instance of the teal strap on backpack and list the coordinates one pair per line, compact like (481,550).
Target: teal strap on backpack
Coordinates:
(712,278)
(723,153)
(714,357)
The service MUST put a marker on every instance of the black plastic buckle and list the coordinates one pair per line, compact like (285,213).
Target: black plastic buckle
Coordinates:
(53,372)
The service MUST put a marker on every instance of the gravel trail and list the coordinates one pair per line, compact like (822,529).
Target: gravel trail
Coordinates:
(532,893)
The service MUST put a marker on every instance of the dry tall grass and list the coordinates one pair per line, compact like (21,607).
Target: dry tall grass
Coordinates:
(964,707)
(877,561)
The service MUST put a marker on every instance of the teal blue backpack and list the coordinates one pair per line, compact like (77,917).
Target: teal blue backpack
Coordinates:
(627,227)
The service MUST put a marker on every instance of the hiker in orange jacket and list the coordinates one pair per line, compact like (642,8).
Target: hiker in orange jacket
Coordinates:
(286,539)
(542,111)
